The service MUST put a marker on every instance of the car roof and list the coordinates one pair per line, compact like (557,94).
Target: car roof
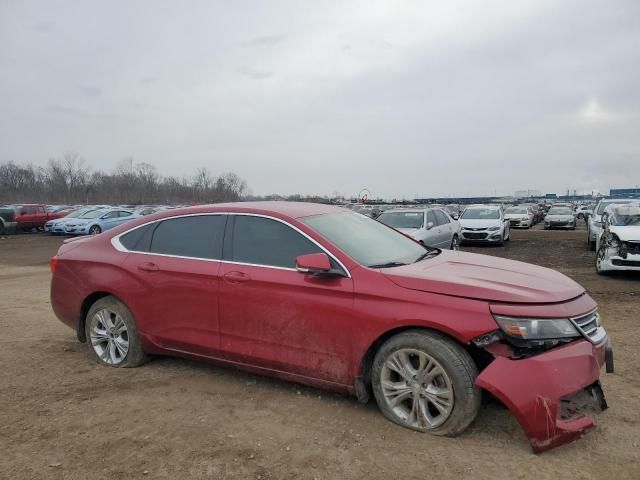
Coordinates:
(484,206)
(290,209)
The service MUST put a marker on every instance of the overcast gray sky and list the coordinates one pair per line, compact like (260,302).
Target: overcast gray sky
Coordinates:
(404,98)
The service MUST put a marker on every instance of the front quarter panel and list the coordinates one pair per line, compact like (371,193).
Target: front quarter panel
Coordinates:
(382,306)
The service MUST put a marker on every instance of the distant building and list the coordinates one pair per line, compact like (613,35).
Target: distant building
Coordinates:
(625,192)
(526,193)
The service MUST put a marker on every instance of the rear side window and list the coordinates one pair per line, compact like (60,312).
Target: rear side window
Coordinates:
(443,218)
(197,236)
(138,240)
(262,241)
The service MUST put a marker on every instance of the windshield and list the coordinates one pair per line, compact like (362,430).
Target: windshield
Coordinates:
(560,211)
(603,205)
(625,220)
(402,219)
(365,240)
(92,214)
(516,210)
(76,214)
(481,213)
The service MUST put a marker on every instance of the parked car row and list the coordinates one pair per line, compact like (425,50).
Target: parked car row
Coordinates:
(69,219)
(433,227)
(27,216)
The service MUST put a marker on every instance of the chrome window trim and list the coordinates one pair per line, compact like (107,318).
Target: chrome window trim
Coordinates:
(115,241)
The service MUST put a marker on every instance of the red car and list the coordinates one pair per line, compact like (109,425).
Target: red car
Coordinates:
(327,297)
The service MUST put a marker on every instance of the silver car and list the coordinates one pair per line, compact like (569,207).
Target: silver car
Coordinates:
(430,226)
(560,217)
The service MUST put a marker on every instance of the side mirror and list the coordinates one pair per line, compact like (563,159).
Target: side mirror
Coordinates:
(429,225)
(313,263)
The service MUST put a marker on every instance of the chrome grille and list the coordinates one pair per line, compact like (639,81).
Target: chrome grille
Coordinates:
(589,326)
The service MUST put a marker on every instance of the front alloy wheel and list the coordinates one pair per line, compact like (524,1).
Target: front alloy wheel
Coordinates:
(94,230)
(455,243)
(417,389)
(425,381)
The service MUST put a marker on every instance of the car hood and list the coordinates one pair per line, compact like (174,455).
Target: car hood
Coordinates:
(626,233)
(408,231)
(485,277)
(480,223)
(516,216)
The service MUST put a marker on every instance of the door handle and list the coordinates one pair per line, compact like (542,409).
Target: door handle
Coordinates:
(236,277)
(148,267)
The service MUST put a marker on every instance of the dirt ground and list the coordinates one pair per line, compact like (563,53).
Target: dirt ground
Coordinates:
(64,417)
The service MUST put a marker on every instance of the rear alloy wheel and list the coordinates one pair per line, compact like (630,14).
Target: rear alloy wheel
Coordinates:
(455,243)
(95,230)
(424,381)
(112,334)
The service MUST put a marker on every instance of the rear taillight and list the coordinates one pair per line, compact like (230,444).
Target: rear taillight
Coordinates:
(53,263)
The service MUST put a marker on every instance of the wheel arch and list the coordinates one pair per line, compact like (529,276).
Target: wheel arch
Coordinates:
(363,379)
(84,309)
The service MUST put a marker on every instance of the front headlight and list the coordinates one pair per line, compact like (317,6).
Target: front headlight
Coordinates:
(537,328)
(614,241)
(492,229)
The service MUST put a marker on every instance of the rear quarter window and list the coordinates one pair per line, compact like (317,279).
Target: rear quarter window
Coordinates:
(138,240)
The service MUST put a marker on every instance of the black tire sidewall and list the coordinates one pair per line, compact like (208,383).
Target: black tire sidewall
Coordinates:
(456,362)
(135,355)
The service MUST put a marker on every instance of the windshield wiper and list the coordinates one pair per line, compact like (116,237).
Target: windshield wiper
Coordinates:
(387,265)
(430,253)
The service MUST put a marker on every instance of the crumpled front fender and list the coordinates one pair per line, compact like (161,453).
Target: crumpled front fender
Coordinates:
(532,389)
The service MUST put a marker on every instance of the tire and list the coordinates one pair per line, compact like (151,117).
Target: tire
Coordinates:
(457,393)
(95,230)
(115,343)
(2,228)
(600,256)
(592,246)
(455,243)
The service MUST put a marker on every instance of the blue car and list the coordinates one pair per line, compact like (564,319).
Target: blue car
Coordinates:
(56,227)
(97,221)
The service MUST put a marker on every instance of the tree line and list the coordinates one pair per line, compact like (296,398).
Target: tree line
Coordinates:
(69,179)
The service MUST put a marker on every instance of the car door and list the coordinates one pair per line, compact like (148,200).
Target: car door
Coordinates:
(123,216)
(41,216)
(275,317)
(177,265)
(506,223)
(446,229)
(27,217)
(432,234)
(109,220)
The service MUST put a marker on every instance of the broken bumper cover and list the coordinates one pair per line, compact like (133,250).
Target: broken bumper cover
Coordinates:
(538,389)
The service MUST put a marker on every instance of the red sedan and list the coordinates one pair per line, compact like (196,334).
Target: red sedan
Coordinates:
(327,297)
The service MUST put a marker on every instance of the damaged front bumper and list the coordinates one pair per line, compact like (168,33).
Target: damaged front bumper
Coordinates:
(551,393)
